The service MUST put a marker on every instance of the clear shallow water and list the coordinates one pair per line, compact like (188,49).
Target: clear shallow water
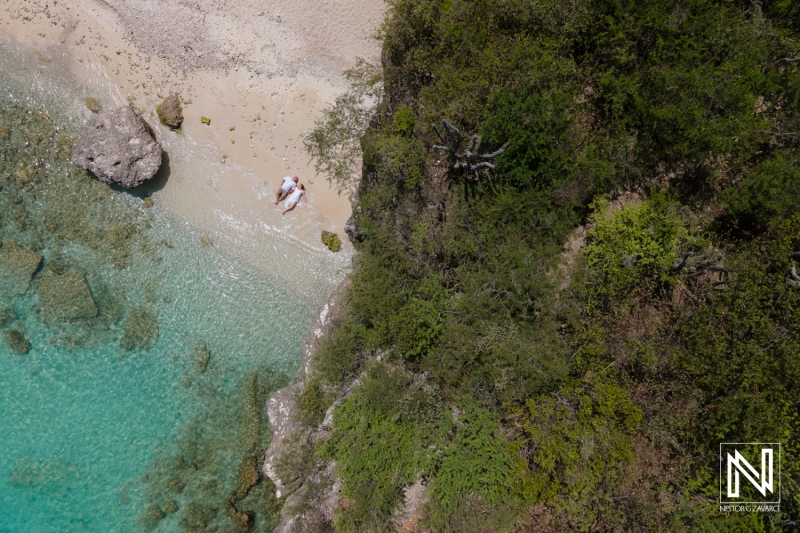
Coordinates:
(95,437)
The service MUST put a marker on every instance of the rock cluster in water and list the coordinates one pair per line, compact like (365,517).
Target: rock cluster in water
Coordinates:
(49,210)
(118,147)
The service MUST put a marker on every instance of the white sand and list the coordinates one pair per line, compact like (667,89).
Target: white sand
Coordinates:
(266,70)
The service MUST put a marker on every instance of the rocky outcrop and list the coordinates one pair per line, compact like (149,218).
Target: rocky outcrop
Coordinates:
(65,297)
(352,230)
(17,266)
(288,431)
(170,112)
(118,147)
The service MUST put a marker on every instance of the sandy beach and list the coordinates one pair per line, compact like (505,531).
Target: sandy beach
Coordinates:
(261,73)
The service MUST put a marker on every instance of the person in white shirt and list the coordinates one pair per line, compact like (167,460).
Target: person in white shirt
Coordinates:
(287,185)
(294,198)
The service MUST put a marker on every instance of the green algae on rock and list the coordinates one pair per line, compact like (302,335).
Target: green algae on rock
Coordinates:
(65,297)
(93,104)
(17,342)
(140,331)
(205,120)
(17,266)
(332,241)
(170,112)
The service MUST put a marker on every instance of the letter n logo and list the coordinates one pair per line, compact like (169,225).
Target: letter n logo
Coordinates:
(740,481)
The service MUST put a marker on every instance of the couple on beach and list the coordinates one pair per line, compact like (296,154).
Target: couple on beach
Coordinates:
(292,191)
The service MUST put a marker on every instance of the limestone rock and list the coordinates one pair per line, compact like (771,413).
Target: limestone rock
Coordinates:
(17,266)
(140,331)
(332,241)
(118,147)
(353,230)
(288,430)
(17,342)
(65,297)
(170,112)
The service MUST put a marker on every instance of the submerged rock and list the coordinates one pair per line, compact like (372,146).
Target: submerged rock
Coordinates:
(332,241)
(7,316)
(141,330)
(197,516)
(201,355)
(171,507)
(65,297)
(155,513)
(17,266)
(176,485)
(170,112)
(17,342)
(118,147)
(248,477)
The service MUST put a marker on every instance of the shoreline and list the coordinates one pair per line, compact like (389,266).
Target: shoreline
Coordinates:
(262,79)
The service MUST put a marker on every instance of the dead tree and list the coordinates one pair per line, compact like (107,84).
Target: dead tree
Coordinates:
(465,161)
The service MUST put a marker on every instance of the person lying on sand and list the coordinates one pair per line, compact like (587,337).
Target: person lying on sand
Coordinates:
(287,185)
(294,198)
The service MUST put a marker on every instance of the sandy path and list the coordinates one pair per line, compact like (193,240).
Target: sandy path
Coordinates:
(262,74)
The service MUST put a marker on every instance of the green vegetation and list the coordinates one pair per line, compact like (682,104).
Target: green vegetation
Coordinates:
(532,384)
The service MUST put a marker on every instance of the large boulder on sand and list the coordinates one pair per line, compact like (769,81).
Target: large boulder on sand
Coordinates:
(17,266)
(118,147)
(65,297)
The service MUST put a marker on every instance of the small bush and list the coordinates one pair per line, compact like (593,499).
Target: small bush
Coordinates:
(635,244)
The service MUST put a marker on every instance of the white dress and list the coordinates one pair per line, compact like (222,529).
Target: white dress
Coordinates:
(294,197)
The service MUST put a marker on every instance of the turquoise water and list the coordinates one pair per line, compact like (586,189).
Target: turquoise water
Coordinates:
(96,437)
